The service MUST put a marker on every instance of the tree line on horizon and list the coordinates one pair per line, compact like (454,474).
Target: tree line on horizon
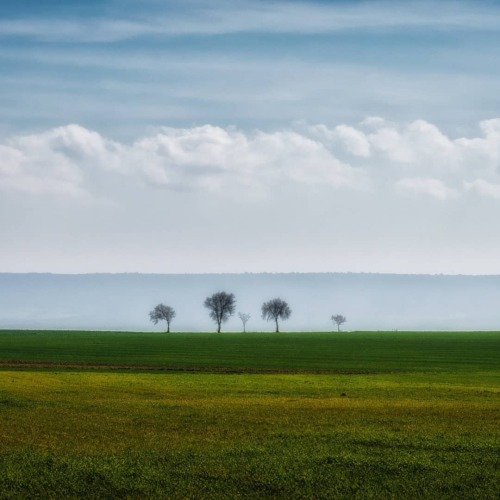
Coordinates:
(221,306)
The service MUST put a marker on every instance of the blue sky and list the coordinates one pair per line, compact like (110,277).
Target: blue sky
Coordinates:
(245,63)
(381,117)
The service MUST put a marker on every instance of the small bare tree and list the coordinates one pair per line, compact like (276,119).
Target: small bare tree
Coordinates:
(244,318)
(162,313)
(338,319)
(276,309)
(221,306)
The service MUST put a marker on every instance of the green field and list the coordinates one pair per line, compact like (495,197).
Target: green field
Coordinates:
(289,415)
(310,352)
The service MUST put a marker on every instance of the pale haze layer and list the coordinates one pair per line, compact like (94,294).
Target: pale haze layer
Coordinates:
(249,136)
(368,301)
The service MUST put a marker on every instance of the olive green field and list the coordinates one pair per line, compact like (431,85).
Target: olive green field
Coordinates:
(254,415)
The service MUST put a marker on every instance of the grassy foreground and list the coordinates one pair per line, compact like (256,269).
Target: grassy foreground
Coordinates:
(417,417)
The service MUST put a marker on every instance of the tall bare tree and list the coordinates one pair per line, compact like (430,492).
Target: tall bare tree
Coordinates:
(221,306)
(339,320)
(244,318)
(276,309)
(162,313)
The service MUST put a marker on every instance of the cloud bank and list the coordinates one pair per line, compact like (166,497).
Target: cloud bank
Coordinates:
(408,159)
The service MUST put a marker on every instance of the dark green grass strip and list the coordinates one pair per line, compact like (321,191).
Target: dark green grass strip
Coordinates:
(357,352)
(345,352)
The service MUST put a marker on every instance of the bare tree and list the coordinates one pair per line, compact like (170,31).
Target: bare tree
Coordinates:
(276,309)
(221,306)
(338,319)
(162,313)
(244,318)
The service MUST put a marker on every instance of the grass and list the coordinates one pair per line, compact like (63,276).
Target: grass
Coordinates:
(356,351)
(417,417)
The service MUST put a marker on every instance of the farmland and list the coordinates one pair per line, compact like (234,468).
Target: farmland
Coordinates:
(361,414)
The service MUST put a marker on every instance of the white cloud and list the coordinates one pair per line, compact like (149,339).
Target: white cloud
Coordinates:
(413,158)
(483,150)
(491,127)
(56,162)
(427,186)
(390,142)
(350,138)
(419,157)
(73,145)
(34,168)
(484,188)
(201,158)
(419,143)
(373,122)
(223,159)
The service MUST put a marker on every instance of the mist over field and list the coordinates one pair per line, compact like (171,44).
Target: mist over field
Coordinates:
(369,301)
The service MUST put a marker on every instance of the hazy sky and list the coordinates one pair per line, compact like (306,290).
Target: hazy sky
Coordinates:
(247,135)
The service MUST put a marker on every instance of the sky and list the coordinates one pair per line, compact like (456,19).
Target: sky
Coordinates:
(249,136)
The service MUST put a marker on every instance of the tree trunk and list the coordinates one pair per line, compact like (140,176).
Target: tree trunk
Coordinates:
(218,327)
(277,327)
(168,326)
(338,328)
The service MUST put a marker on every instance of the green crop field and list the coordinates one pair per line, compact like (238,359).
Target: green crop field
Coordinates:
(289,415)
(356,351)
